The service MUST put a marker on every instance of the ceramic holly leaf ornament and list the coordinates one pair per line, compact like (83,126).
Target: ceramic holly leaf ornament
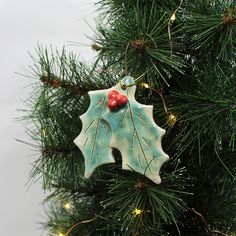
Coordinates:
(135,134)
(115,119)
(94,139)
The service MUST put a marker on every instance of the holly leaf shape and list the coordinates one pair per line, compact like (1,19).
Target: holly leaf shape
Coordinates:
(95,136)
(136,135)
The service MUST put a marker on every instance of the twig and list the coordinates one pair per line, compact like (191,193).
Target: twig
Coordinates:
(208,228)
(81,222)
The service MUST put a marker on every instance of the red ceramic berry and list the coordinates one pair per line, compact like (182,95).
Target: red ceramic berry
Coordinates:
(112,105)
(113,94)
(122,100)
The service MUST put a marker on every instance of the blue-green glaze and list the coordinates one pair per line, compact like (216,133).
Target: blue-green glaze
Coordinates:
(136,135)
(131,129)
(95,137)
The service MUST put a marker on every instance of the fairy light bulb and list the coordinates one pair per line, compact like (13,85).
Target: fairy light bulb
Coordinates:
(68,206)
(43,132)
(61,234)
(171,119)
(137,212)
(173,17)
(144,85)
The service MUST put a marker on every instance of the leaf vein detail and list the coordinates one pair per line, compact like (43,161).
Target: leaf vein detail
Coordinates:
(139,141)
(96,131)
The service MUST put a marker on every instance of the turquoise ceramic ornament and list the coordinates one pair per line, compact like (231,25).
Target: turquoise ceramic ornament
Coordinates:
(116,120)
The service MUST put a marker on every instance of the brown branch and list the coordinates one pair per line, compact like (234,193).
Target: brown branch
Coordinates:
(96,47)
(207,225)
(54,82)
(57,150)
(79,223)
(229,17)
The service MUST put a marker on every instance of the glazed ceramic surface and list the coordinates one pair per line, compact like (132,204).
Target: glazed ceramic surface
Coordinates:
(129,127)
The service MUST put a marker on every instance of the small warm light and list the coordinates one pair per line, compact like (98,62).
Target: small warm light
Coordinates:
(144,85)
(68,206)
(61,234)
(43,132)
(137,212)
(173,17)
(171,119)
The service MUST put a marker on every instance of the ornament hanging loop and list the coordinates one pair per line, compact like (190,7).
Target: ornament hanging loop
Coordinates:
(123,86)
(127,82)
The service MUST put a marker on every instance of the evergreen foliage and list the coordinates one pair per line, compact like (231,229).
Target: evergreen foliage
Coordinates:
(182,54)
